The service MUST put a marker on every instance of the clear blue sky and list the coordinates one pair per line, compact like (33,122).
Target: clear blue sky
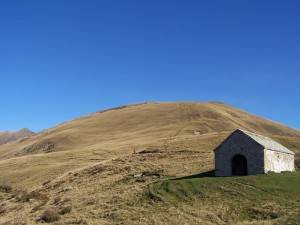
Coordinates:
(61,59)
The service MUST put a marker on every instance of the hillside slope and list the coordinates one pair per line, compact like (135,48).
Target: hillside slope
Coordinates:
(97,169)
(142,124)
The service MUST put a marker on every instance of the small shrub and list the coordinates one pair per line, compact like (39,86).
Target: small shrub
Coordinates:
(58,183)
(78,221)
(38,207)
(46,182)
(66,200)
(2,209)
(263,213)
(50,215)
(97,170)
(25,196)
(5,188)
(150,150)
(66,210)
(57,200)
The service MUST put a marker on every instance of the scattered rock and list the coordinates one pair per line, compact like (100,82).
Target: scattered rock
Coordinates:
(142,177)
(46,146)
(197,132)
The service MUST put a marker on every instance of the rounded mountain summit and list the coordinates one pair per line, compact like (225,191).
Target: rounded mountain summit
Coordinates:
(144,124)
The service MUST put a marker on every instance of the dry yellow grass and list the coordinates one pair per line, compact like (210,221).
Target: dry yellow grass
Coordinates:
(89,163)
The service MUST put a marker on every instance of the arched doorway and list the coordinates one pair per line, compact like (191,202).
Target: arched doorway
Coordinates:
(239,166)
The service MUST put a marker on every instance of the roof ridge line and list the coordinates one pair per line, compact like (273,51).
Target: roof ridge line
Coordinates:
(259,135)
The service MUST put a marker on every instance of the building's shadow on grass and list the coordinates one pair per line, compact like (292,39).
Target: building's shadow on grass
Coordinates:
(210,173)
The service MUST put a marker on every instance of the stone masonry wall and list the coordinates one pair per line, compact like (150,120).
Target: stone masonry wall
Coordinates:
(239,143)
(278,161)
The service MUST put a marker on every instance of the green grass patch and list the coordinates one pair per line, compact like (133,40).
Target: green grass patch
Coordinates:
(273,197)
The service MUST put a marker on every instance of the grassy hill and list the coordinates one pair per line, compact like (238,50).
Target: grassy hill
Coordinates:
(100,167)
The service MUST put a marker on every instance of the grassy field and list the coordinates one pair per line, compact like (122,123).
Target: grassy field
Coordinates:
(114,167)
(260,199)
(114,192)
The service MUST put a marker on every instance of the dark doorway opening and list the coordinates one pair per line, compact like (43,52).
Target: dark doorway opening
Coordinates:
(239,166)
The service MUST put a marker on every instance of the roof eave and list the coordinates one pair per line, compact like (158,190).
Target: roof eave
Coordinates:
(290,152)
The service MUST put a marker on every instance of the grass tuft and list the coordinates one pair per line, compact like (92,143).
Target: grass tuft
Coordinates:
(29,196)
(50,215)
(66,210)
(6,188)
(2,209)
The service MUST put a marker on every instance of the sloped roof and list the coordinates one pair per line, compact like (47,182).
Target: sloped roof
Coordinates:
(267,142)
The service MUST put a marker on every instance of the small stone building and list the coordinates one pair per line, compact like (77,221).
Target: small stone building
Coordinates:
(245,153)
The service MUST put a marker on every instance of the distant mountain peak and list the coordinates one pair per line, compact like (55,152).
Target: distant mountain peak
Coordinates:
(25,130)
(6,137)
